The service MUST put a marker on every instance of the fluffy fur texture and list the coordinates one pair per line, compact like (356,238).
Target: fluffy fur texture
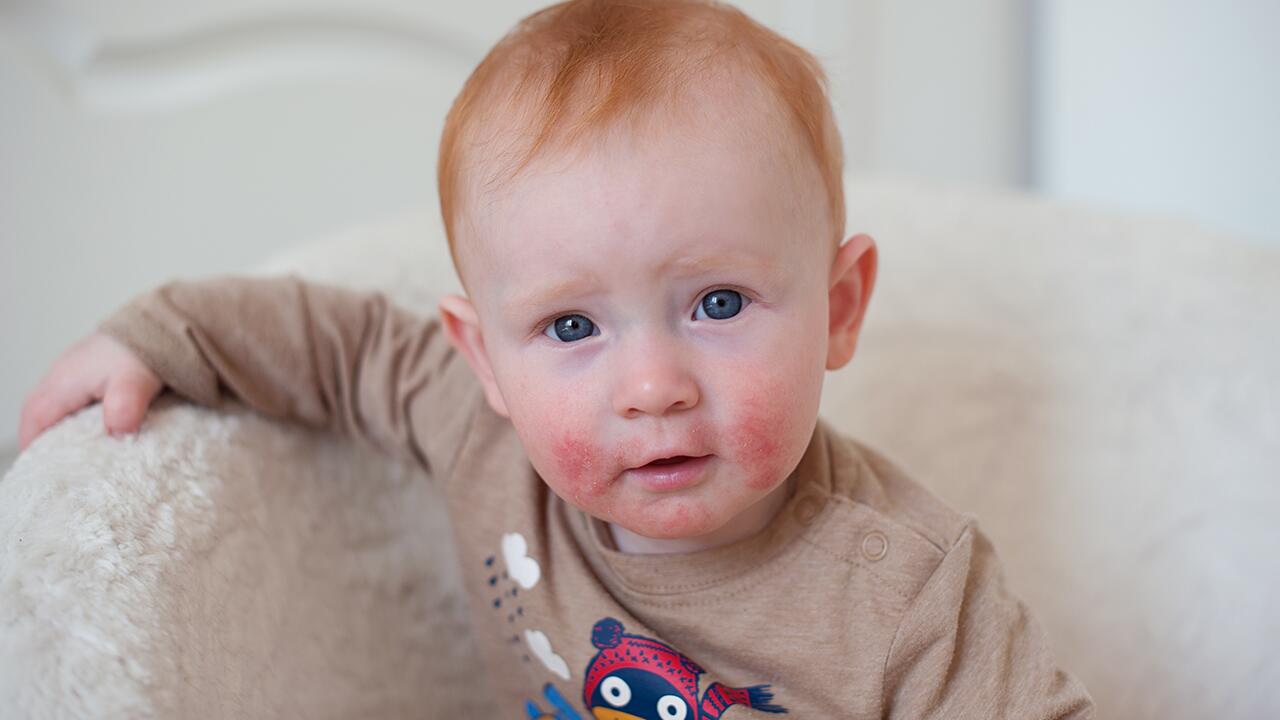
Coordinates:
(1101,391)
(219,565)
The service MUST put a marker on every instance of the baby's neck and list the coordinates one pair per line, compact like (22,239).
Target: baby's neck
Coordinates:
(747,523)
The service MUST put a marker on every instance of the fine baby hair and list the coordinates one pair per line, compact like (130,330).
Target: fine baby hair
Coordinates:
(585,66)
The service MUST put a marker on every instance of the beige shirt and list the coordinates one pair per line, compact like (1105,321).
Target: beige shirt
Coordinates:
(865,597)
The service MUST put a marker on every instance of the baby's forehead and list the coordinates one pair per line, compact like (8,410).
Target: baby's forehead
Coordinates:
(680,178)
(709,105)
(632,211)
(726,136)
(715,109)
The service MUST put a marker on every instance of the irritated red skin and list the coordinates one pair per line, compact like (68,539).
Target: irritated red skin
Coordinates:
(752,443)
(575,457)
(754,412)
(757,434)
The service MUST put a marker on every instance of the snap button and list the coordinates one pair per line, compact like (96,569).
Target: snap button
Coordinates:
(875,545)
(807,509)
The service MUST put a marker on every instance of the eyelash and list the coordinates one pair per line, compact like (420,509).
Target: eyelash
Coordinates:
(748,300)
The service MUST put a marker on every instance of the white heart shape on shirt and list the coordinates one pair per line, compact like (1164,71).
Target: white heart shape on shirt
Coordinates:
(540,646)
(522,568)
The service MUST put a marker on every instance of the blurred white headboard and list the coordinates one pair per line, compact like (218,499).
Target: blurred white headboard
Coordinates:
(147,140)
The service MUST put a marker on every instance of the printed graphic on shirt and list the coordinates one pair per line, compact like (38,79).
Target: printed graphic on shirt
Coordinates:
(520,572)
(560,707)
(522,568)
(633,677)
(540,646)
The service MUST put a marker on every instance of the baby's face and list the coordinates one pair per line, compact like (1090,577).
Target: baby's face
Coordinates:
(665,299)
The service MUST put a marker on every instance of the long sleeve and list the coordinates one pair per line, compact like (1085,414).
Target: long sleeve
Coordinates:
(966,648)
(323,356)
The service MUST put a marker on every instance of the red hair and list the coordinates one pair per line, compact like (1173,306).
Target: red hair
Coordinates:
(582,65)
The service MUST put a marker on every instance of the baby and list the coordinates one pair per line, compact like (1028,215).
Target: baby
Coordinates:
(643,201)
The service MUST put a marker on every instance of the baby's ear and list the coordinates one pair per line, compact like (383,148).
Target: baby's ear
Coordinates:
(853,277)
(462,327)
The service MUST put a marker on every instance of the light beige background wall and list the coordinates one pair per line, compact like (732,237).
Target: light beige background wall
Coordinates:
(1169,107)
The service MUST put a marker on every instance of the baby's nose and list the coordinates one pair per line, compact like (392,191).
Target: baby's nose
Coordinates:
(655,381)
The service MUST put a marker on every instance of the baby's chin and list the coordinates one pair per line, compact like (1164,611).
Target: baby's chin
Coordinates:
(670,519)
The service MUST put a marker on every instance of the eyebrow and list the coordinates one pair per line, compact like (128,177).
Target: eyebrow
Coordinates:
(551,293)
(687,266)
(698,264)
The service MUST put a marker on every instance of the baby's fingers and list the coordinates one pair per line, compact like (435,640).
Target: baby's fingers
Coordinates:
(127,398)
(46,406)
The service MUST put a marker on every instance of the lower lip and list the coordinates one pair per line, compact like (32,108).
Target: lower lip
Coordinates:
(676,476)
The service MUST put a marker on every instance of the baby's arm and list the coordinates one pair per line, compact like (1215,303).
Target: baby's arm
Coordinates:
(323,356)
(967,648)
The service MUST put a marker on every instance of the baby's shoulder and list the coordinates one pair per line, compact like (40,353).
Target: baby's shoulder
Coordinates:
(880,514)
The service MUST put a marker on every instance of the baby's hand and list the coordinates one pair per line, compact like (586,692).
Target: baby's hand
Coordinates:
(96,368)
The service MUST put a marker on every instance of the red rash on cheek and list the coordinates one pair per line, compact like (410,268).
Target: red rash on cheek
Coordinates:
(575,459)
(583,467)
(759,434)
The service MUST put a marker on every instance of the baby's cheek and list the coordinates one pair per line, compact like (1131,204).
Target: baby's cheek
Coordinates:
(579,461)
(756,435)
(765,434)
(575,458)
(581,467)
(557,441)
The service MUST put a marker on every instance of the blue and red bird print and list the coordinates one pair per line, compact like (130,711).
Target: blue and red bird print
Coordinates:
(633,677)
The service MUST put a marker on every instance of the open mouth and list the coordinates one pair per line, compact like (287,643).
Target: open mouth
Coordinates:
(671,473)
(670,461)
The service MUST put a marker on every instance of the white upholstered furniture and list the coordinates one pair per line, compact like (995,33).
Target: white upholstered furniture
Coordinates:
(1100,390)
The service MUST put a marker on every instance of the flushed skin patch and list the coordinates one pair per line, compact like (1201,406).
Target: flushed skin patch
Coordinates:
(760,439)
(754,419)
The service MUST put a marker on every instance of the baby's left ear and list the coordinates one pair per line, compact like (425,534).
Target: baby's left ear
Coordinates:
(853,277)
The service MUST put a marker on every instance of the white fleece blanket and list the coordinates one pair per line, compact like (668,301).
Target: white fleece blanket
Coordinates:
(219,565)
(1102,391)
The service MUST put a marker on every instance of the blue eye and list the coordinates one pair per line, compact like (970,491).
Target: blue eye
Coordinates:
(720,304)
(571,328)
